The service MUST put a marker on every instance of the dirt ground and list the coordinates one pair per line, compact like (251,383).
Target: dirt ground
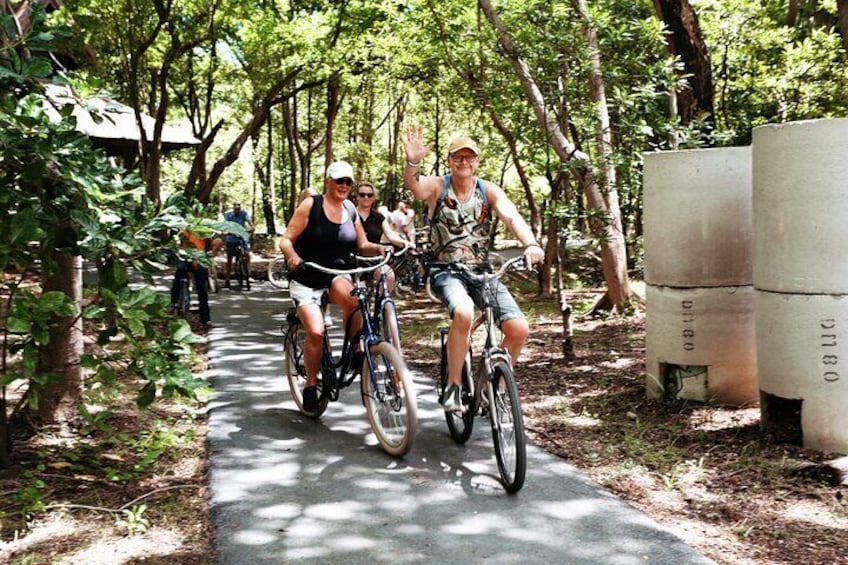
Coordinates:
(134,489)
(706,473)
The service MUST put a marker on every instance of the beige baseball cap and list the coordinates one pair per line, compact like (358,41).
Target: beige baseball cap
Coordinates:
(462,142)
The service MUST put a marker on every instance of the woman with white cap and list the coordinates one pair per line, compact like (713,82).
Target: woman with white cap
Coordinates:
(324,229)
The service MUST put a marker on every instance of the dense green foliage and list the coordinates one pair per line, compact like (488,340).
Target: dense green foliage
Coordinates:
(59,194)
(279,87)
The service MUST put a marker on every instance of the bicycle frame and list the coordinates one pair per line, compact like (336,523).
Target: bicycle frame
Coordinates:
(366,335)
(491,388)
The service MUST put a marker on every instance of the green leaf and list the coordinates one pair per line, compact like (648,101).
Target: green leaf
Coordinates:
(51,301)
(17,325)
(146,396)
(136,327)
(9,378)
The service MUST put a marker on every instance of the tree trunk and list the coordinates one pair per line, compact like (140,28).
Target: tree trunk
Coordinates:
(58,401)
(686,41)
(393,185)
(269,208)
(842,15)
(792,13)
(289,125)
(260,114)
(607,226)
(333,104)
(197,177)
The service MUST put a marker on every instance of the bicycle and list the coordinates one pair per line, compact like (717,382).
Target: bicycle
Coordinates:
(387,389)
(183,295)
(384,305)
(491,389)
(242,267)
(410,274)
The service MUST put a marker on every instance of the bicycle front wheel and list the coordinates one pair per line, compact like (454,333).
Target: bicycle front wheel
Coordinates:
(244,272)
(507,426)
(389,397)
(296,370)
(277,273)
(391,328)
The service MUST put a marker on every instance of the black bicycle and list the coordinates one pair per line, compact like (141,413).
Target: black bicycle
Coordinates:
(387,389)
(490,389)
(242,267)
(181,306)
(410,273)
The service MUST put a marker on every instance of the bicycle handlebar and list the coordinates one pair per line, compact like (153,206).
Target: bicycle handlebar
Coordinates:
(406,247)
(383,260)
(485,275)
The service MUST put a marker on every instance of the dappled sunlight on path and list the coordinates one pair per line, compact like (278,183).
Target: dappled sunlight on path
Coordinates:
(286,488)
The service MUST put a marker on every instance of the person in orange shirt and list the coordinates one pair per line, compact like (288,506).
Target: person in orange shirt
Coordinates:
(201,275)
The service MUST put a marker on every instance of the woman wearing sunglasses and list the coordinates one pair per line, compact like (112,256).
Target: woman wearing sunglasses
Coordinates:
(378,228)
(324,229)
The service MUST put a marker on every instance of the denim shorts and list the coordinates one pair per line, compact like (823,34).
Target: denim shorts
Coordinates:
(451,287)
(233,244)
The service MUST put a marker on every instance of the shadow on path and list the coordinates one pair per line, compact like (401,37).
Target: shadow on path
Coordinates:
(289,489)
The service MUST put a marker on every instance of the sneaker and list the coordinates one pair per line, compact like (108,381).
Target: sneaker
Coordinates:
(451,401)
(310,398)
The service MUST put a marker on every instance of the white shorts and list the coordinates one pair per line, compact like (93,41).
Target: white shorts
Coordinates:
(304,295)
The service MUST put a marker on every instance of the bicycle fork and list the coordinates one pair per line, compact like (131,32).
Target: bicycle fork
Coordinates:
(484,376)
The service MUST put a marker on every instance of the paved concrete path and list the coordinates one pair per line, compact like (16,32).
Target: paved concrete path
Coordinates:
(288,489)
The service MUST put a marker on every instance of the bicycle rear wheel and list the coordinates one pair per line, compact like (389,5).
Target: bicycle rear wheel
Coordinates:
(296,369)
(389,397)
(460,424)
(277,273)
(507,427)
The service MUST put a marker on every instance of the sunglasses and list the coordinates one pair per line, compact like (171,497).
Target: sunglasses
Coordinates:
(366,195)
(344,180)
(464,158)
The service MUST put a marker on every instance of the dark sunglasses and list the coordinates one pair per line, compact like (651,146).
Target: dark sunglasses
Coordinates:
(366,195)
(344,180)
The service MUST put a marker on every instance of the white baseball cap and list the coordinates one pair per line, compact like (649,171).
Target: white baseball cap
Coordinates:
(340,170)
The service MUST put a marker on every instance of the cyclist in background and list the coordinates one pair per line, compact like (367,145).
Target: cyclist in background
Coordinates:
(378,228)
(242,218)
(403,221)
(201,275)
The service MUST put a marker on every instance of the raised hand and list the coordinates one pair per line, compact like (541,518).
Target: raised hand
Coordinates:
(413,143)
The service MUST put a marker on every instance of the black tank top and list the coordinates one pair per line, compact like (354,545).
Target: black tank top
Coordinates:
(325,242)
(373,226)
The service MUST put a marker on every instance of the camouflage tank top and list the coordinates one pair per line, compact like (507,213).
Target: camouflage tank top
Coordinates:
(459,231)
